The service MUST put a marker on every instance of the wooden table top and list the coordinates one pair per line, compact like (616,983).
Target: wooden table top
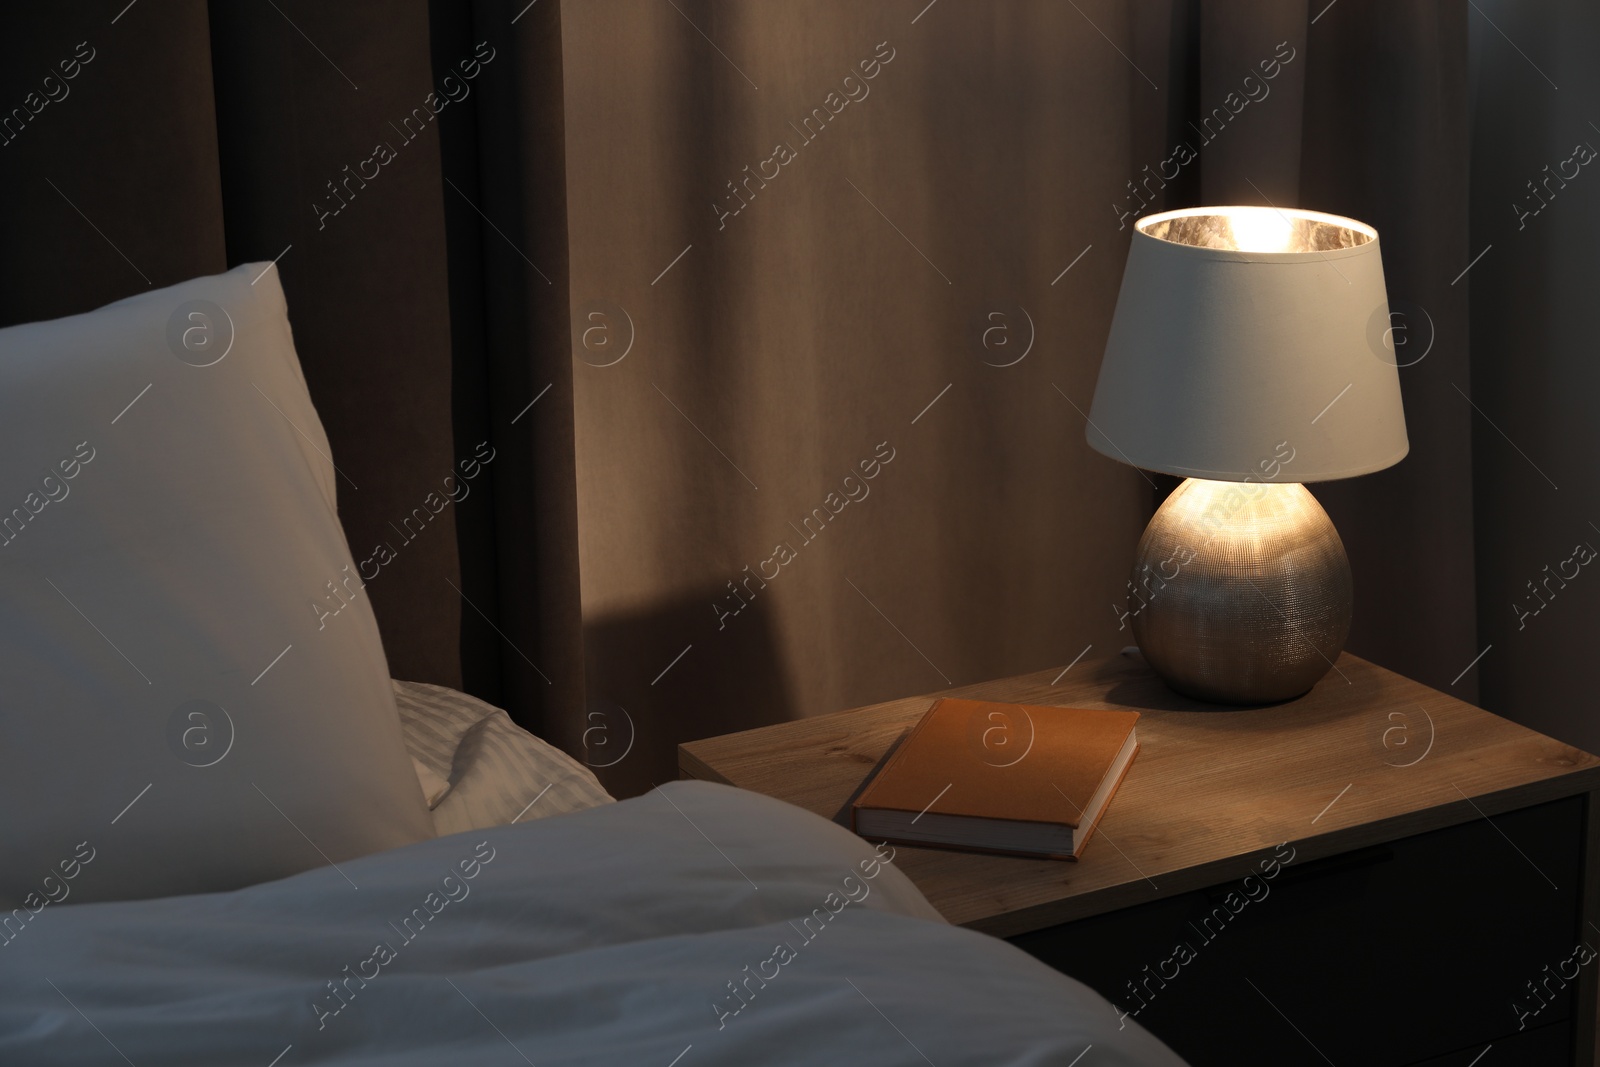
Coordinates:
(1368,756)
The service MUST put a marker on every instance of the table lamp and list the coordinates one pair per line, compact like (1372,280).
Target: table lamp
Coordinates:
(1249,353)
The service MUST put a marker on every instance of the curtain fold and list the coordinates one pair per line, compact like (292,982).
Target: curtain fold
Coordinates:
(520,229)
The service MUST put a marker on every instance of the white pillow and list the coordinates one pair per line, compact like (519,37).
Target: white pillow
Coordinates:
(172,698)
(480,769)
(433,787)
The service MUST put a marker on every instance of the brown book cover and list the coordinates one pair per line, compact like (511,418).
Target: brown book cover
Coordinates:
(1015,778)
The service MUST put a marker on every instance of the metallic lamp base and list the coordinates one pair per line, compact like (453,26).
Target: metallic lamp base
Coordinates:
(1242,591)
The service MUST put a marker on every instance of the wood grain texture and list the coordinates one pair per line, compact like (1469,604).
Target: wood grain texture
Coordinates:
(1366,757)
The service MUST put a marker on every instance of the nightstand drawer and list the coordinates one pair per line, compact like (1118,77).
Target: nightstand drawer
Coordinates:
(1388,956)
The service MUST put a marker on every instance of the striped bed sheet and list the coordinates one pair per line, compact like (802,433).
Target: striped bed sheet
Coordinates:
(495,771)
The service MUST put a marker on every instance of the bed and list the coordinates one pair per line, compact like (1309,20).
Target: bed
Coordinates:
(696,924)
(222,856)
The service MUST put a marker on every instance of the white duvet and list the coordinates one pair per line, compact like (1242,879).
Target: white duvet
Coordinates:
(695,925)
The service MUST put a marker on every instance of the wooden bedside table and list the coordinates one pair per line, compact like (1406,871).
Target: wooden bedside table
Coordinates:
(1443,893)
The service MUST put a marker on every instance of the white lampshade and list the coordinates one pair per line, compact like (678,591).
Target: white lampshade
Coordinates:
(1245,334)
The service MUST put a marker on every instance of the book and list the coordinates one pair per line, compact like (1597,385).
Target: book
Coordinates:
(1021,779)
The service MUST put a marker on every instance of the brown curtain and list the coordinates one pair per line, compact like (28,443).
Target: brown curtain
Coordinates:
(811,384)
(784,325)
(428,298)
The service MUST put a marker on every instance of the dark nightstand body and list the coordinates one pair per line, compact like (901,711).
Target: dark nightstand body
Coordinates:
(1390,955)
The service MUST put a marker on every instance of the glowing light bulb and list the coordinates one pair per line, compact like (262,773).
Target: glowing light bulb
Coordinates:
(1260,230)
